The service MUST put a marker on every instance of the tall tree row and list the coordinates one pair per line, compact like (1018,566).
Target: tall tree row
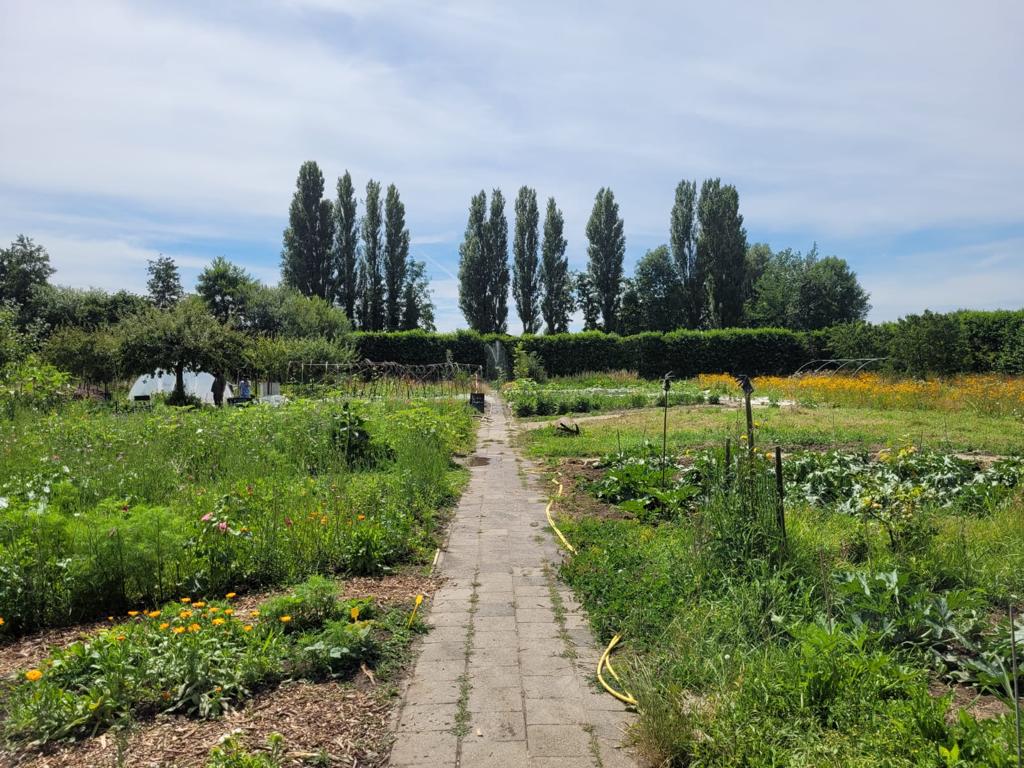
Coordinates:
(346,244)
(683,243)
(396,258)
(606,250)
(557,304)
(308,241)
(483,265)
(722,248)
(526,276)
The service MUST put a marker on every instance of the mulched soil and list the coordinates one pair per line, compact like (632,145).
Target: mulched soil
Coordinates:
(348,721)
(577,501)
(981,706)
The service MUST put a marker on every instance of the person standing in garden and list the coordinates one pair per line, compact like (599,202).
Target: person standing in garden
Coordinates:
(218,389)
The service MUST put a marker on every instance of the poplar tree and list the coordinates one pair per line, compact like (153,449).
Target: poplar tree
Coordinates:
(396,257)
(722,247)
(371,280)
(683,241)
(306,260)
(556,283)
(606,249)
(346,241)
(473,266)
(497,229)
(526,283)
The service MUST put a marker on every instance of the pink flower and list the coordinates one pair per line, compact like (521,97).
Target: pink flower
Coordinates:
(207,517)
(288,522)
(222,526)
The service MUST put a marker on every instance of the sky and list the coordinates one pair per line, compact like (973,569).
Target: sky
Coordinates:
(892,134)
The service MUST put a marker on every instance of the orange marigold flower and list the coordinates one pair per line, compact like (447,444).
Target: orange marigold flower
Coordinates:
(120,638)
(200,604)
(185,600)
(1,621)
(285,619)
(33,674)
(247,628)
(178,630)
(164,625)
(133,613)
(230,595)
(153,614)
(193,627)
(229,611)
(214,609)
(185,614)
(217,622)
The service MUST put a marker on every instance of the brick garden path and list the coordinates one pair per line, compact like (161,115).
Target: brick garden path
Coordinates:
(505,677)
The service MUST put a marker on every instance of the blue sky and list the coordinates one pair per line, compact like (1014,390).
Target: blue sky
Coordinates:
(890,133)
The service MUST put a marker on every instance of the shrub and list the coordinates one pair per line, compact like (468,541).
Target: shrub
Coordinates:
(311,604)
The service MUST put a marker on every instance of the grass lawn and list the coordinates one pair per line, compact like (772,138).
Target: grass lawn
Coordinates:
(699,426)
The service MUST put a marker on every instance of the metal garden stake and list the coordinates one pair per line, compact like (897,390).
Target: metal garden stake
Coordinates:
(748,388)
(666,382)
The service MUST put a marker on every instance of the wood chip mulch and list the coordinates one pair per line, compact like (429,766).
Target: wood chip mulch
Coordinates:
(349,726)
(349,722)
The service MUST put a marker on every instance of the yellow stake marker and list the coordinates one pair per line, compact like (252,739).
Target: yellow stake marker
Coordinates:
(419,599)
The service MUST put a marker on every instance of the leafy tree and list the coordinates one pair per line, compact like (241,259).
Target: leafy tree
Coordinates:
(57,306)
(93,356)
(24,267)
(346,241)
(497,230)
(556,282)
(396,257)
(587,300)
(474,280)
(284,312)
(606,250)
(660,304)
(224,287)
(185,336)
(929,343)
(829,294)
(722,247)
(417,306)
(306,260)
(483,265)
(683,241)
(630,311)
(526,277)
(15,344)
(371,309)
(164,284)
(773,297)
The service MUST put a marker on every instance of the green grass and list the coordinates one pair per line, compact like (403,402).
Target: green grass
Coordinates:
(104,512)
(705,426)
(827,655)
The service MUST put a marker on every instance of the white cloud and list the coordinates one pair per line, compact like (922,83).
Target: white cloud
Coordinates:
(143,124)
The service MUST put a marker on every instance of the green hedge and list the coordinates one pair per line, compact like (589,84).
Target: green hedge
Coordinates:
(958,342)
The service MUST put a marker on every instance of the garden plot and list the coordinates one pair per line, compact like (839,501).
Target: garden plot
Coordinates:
(874,632)
(148,558)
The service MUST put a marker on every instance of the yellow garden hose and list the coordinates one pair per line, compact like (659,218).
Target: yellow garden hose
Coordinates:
(551,521)
(605,660)
(623,696)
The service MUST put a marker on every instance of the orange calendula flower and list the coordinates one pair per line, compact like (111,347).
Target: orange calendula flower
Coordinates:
(217,622)
(247,628)
(230,595)
(360,517)
(178,630)
(285,619)
(214,609)
(133,613)
(33,674)
(185,600)
(153,614)
(2,621)
(185,614)
(200,604)
(164,625)
(228,611)
(120,638)
(193,627)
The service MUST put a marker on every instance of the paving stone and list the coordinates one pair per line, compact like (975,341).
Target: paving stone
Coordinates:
(554,712)
(494,754)
(495,699)
(446,651)
(496,726)
(558,740)
(426,717)
(535,615)
(427,691)
(427,748)
(439,671)
(550,687)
